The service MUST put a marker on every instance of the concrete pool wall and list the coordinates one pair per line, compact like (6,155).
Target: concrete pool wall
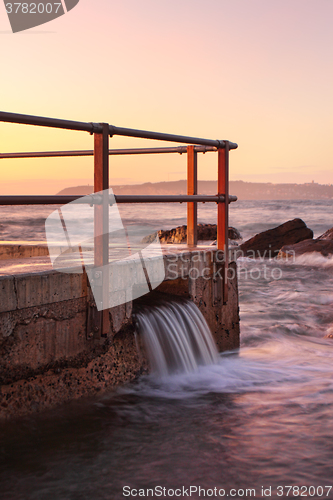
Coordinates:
(47,354)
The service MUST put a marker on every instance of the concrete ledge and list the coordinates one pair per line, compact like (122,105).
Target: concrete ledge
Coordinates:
(46,356)
(10,250)
(8,294)
(29,290)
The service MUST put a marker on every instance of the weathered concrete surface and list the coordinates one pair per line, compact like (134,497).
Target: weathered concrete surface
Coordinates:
(85,375)
(8,250)
(46,357)
(200,280)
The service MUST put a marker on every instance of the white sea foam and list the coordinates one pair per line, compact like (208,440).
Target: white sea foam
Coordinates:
(315,259)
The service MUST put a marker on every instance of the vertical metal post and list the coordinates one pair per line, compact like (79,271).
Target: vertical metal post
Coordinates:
(192,188)
(101,216)
(223,212)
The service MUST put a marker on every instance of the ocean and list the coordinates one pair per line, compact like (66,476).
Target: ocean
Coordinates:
(258,422)
(250,217)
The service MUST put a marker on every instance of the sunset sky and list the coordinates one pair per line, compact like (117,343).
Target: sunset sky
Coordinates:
(256,72)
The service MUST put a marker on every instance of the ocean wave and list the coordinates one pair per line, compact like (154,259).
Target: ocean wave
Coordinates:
(311,259)
(315,259)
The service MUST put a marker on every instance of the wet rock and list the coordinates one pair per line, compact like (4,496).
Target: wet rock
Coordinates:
(324,247)
(328,235)
(234,234)
(268,243)
(206,232)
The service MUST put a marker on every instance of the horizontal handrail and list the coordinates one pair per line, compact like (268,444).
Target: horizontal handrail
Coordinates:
(101,196)
(94,128)
(173,198)
(132,151)
(160,136)
(49,122)
(96,199)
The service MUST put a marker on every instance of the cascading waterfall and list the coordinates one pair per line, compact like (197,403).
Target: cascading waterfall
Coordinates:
(176,336)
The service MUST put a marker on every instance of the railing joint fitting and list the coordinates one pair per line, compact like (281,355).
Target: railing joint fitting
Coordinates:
(111,130)
(95,128)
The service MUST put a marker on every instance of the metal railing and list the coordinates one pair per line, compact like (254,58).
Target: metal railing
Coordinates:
(101,152)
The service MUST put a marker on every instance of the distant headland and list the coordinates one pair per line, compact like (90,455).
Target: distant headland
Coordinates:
(243,190)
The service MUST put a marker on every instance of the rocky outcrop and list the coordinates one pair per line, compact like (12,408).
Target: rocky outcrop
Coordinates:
(328,235)
(234,234)
(206,232)
(325,247)
(322,245)
(268,243)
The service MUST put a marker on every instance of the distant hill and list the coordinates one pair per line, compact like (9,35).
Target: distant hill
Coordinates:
(77,190)
(244,190)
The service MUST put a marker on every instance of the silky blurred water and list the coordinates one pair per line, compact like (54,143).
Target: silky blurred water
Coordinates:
(250,217)
(259,417)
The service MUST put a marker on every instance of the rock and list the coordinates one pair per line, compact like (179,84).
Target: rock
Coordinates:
(328,235)
(206,232)
(175,235)
(322,246)
(268,243)
(234,234)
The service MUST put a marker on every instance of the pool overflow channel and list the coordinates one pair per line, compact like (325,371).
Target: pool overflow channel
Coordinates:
(57,345)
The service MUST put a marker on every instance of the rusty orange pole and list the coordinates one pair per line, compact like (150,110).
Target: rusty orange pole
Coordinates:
(192,188)
(101,215)
(223,212)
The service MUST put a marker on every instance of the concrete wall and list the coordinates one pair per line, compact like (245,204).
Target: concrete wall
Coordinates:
(46,356)
(21,250)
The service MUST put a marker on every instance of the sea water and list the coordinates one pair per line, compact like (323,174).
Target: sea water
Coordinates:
(258,419)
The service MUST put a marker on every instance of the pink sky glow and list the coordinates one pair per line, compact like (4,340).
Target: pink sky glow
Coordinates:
(255,72)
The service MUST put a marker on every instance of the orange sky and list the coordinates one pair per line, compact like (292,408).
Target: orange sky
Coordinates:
(256,72)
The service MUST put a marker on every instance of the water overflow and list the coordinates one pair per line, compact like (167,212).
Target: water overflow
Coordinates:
(176,336)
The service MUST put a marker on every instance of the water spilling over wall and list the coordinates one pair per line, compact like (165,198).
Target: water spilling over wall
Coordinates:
(50,355)
(176,336)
